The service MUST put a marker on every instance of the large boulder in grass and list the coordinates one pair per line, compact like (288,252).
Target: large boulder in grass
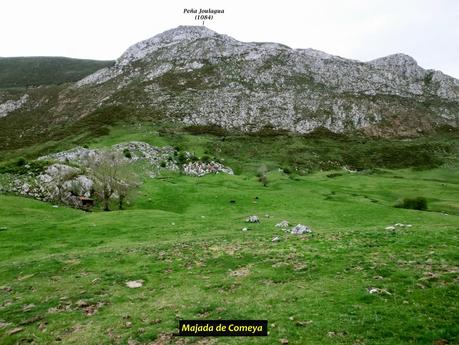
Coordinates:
(252,219)
(283,225)
(301,229)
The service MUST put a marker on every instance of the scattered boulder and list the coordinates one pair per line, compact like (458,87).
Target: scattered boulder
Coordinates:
(401,225)
(375,290)
(3,228)
(301,229)
(244,229)
(28,307)
(240,272)
(203,168)
(283,225)
(252,219)
(82,304)
(4,324)
(133,284)
(15,330)
(276,239)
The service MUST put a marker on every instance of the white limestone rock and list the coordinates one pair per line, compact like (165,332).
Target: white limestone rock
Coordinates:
(301,229)
(12,105)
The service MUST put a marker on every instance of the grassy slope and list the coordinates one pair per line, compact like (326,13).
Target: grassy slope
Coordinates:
(244,153)
(205,267)
(34,71)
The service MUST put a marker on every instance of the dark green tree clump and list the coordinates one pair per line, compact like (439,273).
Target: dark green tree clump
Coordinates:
(418,203)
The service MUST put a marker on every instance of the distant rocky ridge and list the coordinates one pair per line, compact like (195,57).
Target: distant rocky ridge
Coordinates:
(195,76)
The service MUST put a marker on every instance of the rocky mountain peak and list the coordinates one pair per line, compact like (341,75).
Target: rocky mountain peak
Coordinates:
(392,60)
(196,76)
(317,53)
(399,63)
(167,38)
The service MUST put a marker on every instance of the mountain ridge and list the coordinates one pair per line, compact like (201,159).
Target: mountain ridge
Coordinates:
(25,71)
(193,76)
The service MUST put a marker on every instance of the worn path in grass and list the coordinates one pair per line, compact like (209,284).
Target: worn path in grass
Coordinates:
(63,271)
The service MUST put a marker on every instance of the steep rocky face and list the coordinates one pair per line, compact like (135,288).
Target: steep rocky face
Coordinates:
(11,105)
(195,76)
(200,77)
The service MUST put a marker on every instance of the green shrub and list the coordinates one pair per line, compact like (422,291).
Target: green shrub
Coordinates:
(418,203)
(263,180)
(205,159)
(206,129)
(22,168)
(269,131)
(333,175)
(21,162)
(127,153)
(181,158)
(101,131)
(428,78)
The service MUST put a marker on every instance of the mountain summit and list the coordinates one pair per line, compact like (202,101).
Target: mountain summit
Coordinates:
(167,38)
(192,75)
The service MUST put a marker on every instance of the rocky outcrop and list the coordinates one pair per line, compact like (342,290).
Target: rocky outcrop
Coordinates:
(133,151)
(12,105)
(204,168)
(69,177)
(157,158)
(58,183)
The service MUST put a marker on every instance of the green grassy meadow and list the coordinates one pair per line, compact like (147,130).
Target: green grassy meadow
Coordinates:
(63,272)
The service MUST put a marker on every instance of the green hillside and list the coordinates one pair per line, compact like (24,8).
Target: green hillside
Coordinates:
(33,71)
(63,272)
(357,279)
(380,266)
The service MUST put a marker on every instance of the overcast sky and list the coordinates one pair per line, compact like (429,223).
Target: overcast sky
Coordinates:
(428,30)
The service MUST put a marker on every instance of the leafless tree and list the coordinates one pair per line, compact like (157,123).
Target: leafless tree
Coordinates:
(262,175)
(125,184)
(112,177)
